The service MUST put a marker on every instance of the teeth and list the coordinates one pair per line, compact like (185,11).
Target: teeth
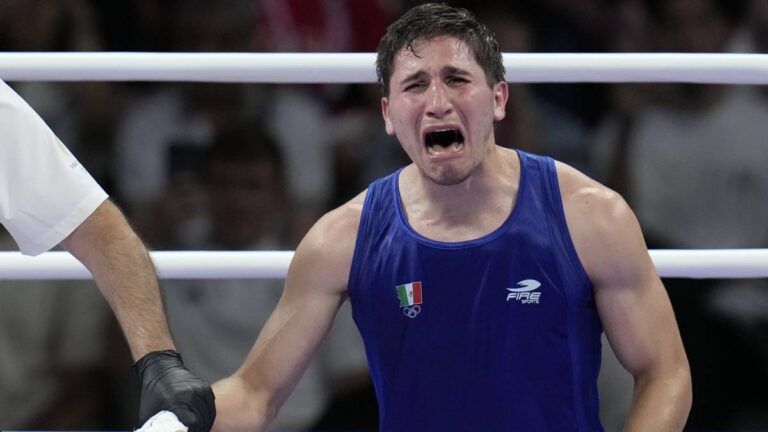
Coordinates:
(437,148)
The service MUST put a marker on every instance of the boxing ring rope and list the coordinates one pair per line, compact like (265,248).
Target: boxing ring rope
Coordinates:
(359,68)
(689,263)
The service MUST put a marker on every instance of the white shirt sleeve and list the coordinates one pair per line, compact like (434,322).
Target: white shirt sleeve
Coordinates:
(44,191)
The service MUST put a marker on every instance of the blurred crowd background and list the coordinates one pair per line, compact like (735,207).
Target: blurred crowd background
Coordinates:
(244,167)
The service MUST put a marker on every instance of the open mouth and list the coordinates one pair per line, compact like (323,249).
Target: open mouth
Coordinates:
(444,140)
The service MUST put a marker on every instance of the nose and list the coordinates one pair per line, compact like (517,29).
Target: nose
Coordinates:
(438,101)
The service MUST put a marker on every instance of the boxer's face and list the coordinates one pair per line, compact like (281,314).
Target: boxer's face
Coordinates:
(442,109)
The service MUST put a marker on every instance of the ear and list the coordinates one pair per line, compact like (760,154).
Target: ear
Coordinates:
(385,113)
(500,96)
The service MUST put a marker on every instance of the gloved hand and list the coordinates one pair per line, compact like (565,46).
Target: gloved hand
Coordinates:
(167,385)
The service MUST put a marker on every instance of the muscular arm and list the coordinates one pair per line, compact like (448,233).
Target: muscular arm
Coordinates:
(631,301)
(314,290)
(124,273)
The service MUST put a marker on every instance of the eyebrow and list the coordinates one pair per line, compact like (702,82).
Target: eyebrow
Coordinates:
(413,77)
(452,70)
(447,70)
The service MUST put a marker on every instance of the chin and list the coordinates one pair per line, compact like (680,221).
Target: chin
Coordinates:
(449,176)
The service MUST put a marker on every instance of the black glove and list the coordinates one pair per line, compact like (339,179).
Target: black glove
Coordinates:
(167,385)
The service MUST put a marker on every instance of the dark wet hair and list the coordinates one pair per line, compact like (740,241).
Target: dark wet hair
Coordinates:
(437,19)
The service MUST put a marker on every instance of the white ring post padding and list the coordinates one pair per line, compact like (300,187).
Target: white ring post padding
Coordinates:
(699,264)
(359,67)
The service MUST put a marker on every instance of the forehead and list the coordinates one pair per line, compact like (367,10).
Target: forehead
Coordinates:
(437,52)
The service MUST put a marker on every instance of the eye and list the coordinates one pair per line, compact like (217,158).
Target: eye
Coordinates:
(455,80)
(415,86)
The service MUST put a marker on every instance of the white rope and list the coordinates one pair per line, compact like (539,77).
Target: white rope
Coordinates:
(711,263)
(359,67)
(701,264)
(170,265)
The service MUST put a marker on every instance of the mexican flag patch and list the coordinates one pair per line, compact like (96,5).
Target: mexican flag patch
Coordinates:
(409,294)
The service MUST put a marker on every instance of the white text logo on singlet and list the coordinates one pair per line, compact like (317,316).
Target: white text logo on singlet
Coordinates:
(525,292)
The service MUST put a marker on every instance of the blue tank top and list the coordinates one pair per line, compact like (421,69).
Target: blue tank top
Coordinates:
(498,333)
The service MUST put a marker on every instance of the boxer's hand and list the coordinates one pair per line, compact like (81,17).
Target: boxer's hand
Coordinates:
(167,385)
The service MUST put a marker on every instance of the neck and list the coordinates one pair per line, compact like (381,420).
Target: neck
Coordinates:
(478,204)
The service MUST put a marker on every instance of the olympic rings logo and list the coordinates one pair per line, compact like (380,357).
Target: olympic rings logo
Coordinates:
(411,311)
